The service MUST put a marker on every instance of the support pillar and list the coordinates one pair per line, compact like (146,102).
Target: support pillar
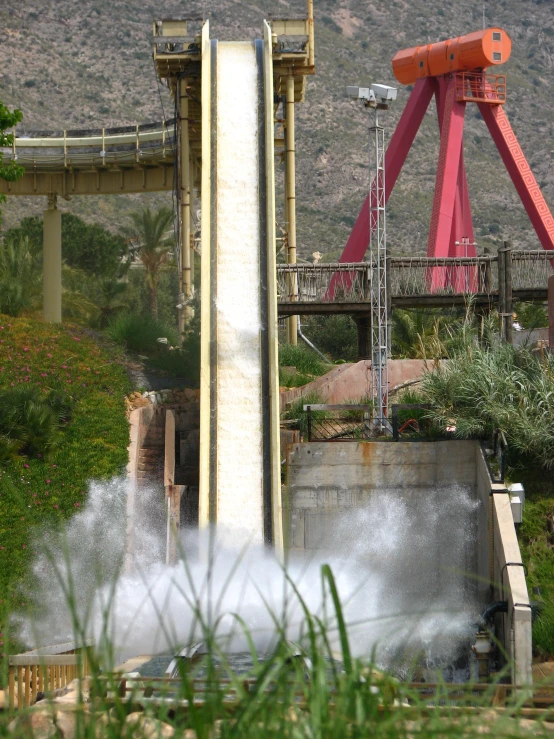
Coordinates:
(505,306)
(290,189)
(52,256)
(363,327)
(520,172)
(184,176)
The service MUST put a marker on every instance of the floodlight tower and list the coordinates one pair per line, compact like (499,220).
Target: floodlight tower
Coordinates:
(376,98)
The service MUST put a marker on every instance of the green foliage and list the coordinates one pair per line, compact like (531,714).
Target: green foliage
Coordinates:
(20,275)
(334,335)
(500,388)
(85,246)
(184,362)
(152,238)
(531,315)
(308,365)
(11,171)
(30,420)
(140,333)
(47,370)
(302,357)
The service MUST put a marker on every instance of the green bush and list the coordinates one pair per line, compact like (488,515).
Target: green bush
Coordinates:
(140,333)
(30,420)
(20,276)
(334,335)
(303,358)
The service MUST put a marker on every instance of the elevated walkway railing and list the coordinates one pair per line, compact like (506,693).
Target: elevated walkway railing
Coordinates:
(412,277)
(93,147)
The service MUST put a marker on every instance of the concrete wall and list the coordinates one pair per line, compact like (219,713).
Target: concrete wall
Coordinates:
(326,479)
(349,382)
(510,585)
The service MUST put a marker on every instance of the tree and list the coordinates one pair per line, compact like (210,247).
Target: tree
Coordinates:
(149,236)
(11,171)
(20,275)
(85,246)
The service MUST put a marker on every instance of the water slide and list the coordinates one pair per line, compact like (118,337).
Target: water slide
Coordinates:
(239,423)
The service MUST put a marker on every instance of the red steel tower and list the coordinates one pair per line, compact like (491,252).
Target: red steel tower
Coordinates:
(454,72)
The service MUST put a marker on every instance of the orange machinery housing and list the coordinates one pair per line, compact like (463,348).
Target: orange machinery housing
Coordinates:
(476,50)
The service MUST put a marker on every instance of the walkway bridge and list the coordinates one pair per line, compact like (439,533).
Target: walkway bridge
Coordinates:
(488,280)
(127,159)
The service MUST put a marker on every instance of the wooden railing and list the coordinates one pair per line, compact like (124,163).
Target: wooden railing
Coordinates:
(43,670)
(413,277)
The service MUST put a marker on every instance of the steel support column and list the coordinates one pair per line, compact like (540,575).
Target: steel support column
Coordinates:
(520,172)
(185,313)
(290,189)
(397,151)
(446,183)
(52,255)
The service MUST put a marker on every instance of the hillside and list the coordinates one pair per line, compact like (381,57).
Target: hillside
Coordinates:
(68,64)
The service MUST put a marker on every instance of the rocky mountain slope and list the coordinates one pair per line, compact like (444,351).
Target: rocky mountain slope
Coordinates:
(68,64)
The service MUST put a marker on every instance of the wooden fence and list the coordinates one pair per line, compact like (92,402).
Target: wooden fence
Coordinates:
(44,670)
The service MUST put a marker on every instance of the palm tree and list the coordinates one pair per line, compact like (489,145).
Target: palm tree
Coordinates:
(20,276)
(149,233)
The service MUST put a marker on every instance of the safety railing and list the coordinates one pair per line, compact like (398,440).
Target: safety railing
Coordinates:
(413,277)
(338,422)
(94,147)
(480,87)
(42,670)
(309,283)
(531,269)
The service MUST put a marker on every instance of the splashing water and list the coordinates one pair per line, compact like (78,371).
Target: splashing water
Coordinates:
(394,596)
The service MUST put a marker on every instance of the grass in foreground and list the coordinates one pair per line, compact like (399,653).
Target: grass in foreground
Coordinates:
(304,690)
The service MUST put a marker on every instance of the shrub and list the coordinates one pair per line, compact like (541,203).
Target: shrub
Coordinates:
(30,420)
(303,358)
(140,333)
(334,335)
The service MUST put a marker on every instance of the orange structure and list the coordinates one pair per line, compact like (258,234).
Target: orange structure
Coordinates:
(477,50)
(456,73)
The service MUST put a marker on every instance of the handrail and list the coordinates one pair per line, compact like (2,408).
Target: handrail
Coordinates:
(93,140)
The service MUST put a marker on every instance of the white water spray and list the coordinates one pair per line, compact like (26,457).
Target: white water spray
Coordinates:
(155,610)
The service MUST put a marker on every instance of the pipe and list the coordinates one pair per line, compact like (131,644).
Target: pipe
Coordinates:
(290,189)
(184,168)
(309,343)
(485,619)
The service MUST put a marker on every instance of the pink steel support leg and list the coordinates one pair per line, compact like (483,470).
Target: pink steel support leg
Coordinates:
(397,151)
(520,172)
(462,234)
(447,179)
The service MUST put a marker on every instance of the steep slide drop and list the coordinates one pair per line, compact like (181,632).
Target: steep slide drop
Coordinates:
(239,424)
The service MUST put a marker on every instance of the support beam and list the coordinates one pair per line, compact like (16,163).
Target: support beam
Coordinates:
(290,189)
(520,172)
(363,327)
(446,183)
(52,255)
(185,278)
(397,151)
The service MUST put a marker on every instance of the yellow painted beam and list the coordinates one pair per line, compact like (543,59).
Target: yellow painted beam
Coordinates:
(92,182)
(272,317)
(205,309)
